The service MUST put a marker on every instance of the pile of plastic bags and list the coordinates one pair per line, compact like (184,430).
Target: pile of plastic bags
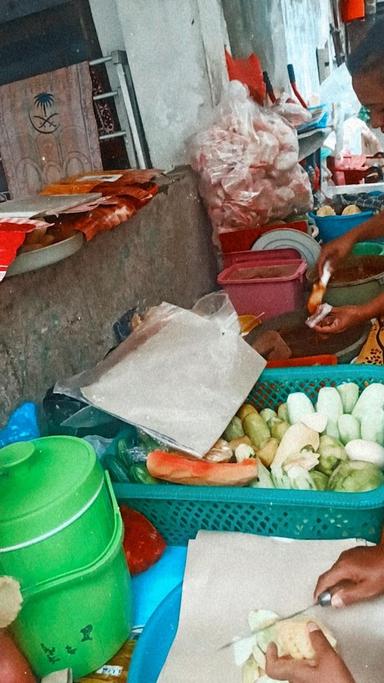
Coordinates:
(247,160)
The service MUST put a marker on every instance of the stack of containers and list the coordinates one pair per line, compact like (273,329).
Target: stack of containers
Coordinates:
(61,538)
(265,282)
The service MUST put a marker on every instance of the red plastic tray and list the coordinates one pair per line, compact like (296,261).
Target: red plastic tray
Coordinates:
(243,240)
(306,361)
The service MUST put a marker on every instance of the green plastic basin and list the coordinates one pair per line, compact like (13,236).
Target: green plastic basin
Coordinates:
(56,512)
(354,292)
(80,619)
(368,248)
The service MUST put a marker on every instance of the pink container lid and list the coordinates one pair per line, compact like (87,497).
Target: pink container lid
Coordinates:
(263,256)
(286,269)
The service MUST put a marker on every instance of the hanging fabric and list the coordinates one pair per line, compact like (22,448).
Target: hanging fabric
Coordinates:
(48,129)
(372,352)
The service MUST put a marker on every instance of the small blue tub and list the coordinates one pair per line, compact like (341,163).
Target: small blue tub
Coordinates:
(156,640)
(331,227)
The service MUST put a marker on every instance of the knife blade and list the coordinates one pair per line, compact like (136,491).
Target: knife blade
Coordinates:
(324,600)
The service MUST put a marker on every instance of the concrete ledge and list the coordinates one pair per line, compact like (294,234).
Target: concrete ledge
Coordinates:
(58,320)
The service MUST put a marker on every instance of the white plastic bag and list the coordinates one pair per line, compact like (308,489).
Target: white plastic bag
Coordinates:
(292,111)
(247,160)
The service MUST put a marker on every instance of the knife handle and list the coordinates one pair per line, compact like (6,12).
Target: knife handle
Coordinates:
(325,598)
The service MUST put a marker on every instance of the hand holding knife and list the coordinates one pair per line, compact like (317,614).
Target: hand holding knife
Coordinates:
(324,600)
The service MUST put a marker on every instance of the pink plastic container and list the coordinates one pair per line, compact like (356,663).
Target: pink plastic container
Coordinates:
(267,255)
(269,287)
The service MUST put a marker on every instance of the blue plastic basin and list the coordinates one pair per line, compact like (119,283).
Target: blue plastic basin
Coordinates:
(331,227)
(156,640)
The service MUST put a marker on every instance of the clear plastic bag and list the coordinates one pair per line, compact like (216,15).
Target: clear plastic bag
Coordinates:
(126,456)
(217,307)
(247,160)
(292,111)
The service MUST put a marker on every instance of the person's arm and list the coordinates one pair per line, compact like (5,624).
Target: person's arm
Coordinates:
(339,248)
(327,666)
(369,230)
(360,574)
(373,309)
(344,317)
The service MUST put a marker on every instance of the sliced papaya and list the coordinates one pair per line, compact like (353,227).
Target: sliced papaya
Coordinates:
(179,468)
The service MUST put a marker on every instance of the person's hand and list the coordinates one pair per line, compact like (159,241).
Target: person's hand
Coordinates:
(340,319)
(327,666)
(335,252)
(363,571)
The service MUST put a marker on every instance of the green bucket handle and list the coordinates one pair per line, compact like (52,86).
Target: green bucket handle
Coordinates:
(111,492)
(107,556)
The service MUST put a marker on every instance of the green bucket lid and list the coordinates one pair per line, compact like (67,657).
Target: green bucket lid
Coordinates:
(44,485)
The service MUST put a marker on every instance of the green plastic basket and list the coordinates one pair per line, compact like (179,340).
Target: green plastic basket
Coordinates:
(179,512)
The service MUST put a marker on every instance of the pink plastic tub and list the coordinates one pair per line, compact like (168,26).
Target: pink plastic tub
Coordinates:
(268,287)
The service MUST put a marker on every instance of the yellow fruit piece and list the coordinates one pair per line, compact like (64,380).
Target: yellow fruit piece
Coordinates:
(245,410)
(267,451)
(350,210)
(326,211)
(248,323)
(293,638)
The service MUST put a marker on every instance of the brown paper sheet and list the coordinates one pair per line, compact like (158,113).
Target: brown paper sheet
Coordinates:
(228,574)
(177,376)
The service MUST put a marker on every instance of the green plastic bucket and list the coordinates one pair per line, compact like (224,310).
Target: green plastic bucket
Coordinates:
(56,512)
(80,619)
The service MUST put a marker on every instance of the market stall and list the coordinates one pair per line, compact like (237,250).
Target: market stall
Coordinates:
(192,415)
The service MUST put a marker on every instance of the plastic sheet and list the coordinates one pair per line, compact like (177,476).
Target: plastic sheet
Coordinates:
(126,456)
(248,165)
(87,182)
(249,72)
(10,242)
(21,426)
(337,92)
(100,219)
(292,111)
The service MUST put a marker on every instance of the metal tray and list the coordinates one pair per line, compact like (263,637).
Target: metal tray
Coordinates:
(46,256)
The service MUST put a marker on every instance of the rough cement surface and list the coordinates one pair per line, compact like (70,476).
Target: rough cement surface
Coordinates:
(58,320)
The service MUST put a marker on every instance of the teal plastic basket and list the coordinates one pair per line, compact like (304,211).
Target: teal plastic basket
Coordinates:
(179,512)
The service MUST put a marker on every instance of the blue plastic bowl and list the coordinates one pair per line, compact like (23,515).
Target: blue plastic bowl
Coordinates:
(156,640)
(331,227)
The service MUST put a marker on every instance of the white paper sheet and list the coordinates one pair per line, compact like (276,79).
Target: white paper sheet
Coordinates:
(229,574)
(178,376)
(44,205)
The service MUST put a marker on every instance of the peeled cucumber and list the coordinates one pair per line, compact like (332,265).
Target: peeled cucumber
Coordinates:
(349,428)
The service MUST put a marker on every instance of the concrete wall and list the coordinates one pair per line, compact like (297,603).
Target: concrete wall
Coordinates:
(107,24)
(280,32)
(57,321)
(176,54)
